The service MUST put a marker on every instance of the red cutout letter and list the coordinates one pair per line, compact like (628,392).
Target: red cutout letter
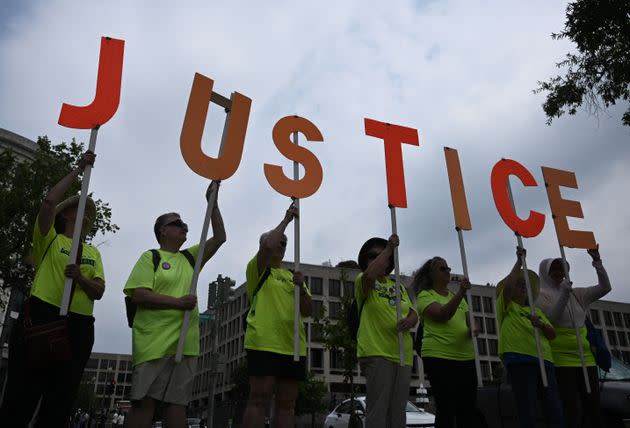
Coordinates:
(234,132)
(563,208)
(458,193)
(312,179)
(393,136)
(500,175)
(107,97)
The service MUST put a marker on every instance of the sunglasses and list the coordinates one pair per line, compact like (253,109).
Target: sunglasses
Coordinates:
(178,223)
(445,269)
(283,244)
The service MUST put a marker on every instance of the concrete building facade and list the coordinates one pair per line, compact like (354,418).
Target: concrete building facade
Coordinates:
(109,376)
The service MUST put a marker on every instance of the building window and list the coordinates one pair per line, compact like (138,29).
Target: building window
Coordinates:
(317,308)
(485,370)
(622,338)
(617,318)
(336,360)
(487,305)
(479,321)
(626,320)
(491,327)
(607,319)
(317,286)
(612,338)
(92,364)
(493,345)
(595,316)
(625,356)
(99,389)
(317,358)
(121,378)
(476,301)
(481,346)
(335,310)
(334,288)
(497,369)
(316,333)
(102,377)
(348,288)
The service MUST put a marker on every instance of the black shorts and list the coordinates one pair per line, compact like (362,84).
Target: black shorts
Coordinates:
(263,363)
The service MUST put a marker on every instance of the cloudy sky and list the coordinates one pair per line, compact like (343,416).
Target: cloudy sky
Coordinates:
(461,72)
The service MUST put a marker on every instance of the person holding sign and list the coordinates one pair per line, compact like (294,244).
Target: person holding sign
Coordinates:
(269,334)
(158,285)
(518,351)
(564,305)
(447,349)
(47,352)
(387,381)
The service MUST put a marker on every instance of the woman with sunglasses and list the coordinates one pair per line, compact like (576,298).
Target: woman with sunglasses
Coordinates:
(269,334)
(518,350)
(565,305)
(161,292)
(387,382)
(447,349)
(52,377)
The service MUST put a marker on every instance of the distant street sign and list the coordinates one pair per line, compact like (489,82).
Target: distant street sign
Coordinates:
(206,317)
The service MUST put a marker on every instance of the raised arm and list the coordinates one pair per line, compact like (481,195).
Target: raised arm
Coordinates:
(511,279)
(443,313)
(272,240)
(218,230)
(46,216)
(378,267)
(590,294)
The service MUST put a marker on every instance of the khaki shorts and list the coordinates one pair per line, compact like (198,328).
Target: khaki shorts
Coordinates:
(164,380)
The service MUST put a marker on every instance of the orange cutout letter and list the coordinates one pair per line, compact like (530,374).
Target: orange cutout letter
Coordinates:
(458,193)
(107,97)
(393,136)
(500,175)
(231,151)
(563,208)
(282,131)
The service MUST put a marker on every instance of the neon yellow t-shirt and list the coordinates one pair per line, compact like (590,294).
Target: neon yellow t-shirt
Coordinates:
(516,333)
(270,319)
(377,335)
(565,348)
(49,279)
(448,340)
(156,331)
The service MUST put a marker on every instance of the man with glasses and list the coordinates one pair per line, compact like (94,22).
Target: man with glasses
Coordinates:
(159,285)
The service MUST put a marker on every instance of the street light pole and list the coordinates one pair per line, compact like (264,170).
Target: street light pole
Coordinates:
(213,306)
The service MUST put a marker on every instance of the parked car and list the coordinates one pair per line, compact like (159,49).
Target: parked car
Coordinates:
(194,423)
(340,416)
(496,406)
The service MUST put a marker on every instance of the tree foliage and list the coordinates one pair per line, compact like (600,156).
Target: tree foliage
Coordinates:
(23,185)
(599,73)
(336,334)
(311,396)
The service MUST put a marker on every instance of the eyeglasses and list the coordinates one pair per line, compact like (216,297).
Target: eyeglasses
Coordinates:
(178,223)
(445,269)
